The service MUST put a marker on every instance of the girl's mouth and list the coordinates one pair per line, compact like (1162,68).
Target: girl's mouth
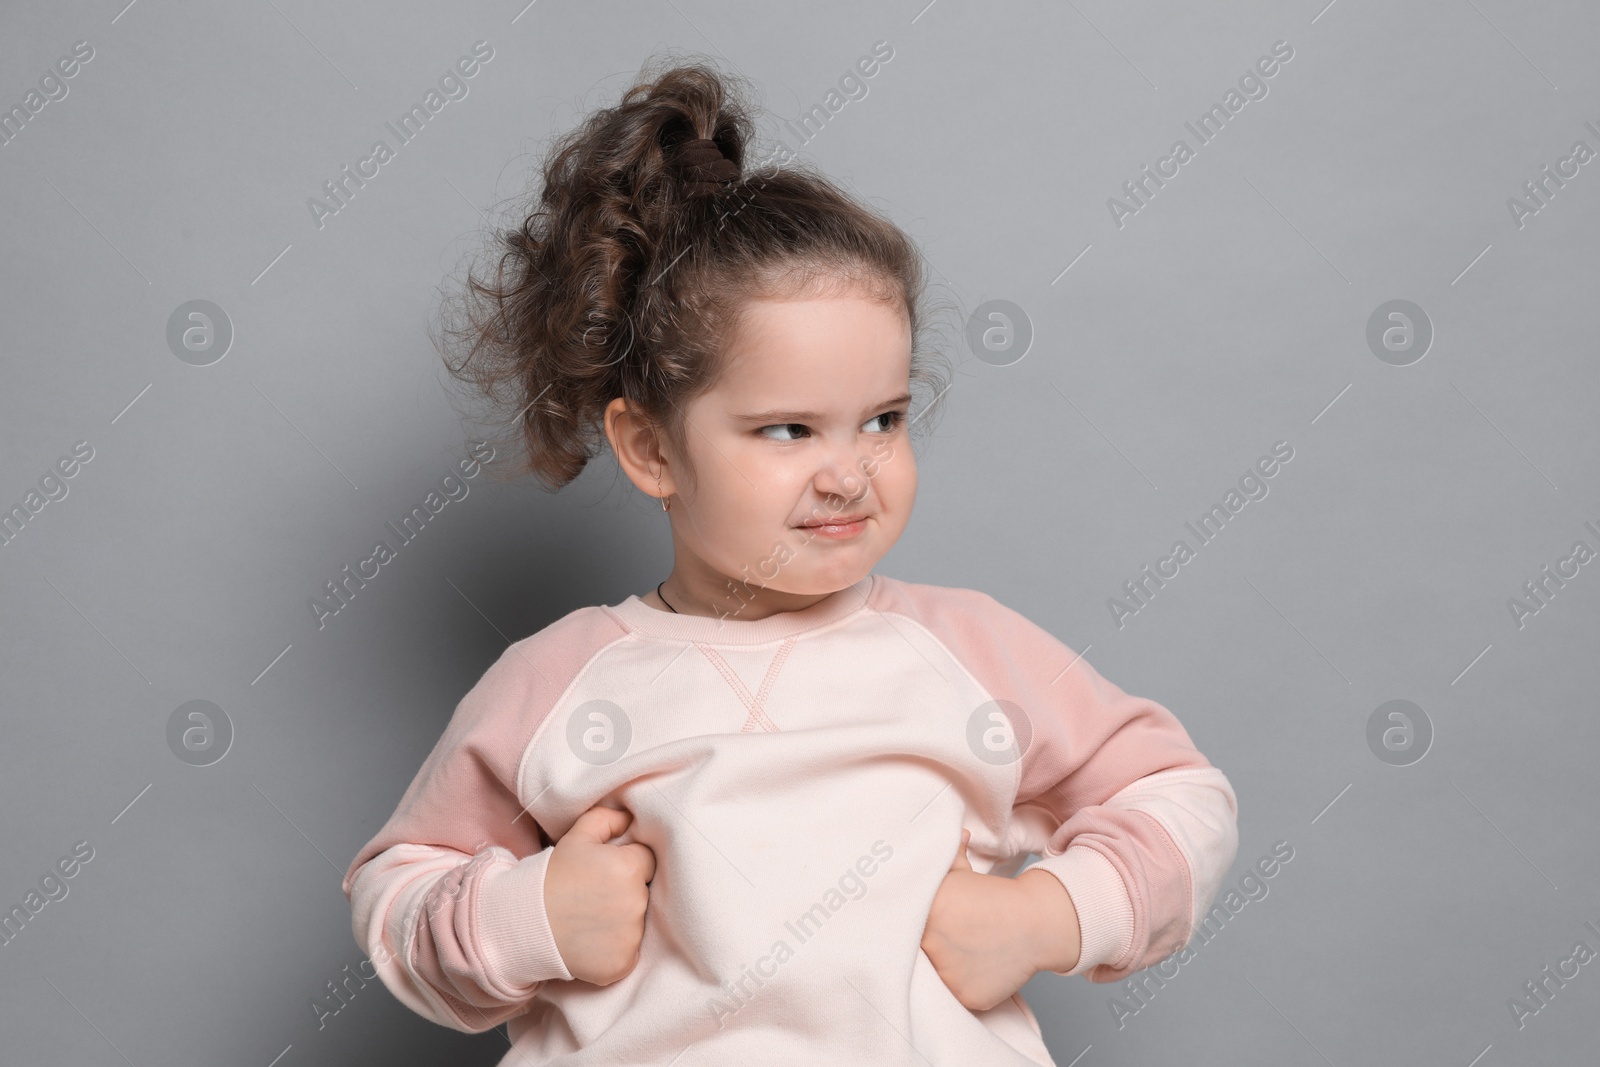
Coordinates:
(840,529)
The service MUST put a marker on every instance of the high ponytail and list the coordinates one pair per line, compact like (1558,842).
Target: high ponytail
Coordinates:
(626,277)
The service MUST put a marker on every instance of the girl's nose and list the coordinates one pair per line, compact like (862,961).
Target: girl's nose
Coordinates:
(844,479)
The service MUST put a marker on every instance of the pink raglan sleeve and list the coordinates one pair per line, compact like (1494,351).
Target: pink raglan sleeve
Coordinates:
(447,900)
(1113,795)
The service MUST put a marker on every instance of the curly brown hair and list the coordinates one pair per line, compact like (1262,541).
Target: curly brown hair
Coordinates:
(629,273)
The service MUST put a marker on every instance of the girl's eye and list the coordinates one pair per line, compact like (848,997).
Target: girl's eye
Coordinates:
(895,418)
(783,426)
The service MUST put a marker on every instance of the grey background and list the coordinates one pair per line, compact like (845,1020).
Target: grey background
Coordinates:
(1228,314)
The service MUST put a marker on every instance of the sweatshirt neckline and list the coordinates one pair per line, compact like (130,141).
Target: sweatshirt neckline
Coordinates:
(640,617)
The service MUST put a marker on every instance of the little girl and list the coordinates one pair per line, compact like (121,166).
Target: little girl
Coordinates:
(773,810)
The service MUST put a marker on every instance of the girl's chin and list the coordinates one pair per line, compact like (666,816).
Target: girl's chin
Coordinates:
(810,582)
(803,564)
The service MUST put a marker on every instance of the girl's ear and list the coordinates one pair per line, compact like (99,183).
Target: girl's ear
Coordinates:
(638,450)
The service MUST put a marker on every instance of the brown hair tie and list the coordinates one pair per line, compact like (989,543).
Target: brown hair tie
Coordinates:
(703,166)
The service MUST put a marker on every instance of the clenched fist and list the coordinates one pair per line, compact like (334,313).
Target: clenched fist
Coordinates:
(987,935)
(595,895)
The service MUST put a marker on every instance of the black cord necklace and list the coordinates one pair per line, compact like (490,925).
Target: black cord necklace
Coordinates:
(664,599)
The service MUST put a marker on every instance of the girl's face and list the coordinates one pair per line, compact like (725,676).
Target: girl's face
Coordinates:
(807,423)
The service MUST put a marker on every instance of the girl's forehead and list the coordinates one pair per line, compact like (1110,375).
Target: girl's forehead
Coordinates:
(836,333)
(819,354)
(839,369)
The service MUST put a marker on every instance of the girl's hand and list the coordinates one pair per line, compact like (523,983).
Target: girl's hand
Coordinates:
(982,934)
(595,895)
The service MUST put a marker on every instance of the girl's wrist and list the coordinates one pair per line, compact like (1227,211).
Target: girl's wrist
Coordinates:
(1053,920)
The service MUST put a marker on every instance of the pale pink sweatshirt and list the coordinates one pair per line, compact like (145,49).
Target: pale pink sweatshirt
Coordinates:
(803,781)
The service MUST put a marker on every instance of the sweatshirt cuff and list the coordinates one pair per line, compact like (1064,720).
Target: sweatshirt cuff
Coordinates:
(514,934)
(1105,911)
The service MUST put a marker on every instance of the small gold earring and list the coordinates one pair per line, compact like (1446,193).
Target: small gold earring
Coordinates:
(664,505)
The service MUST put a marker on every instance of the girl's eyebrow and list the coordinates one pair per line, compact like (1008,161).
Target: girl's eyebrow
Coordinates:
(776,416)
